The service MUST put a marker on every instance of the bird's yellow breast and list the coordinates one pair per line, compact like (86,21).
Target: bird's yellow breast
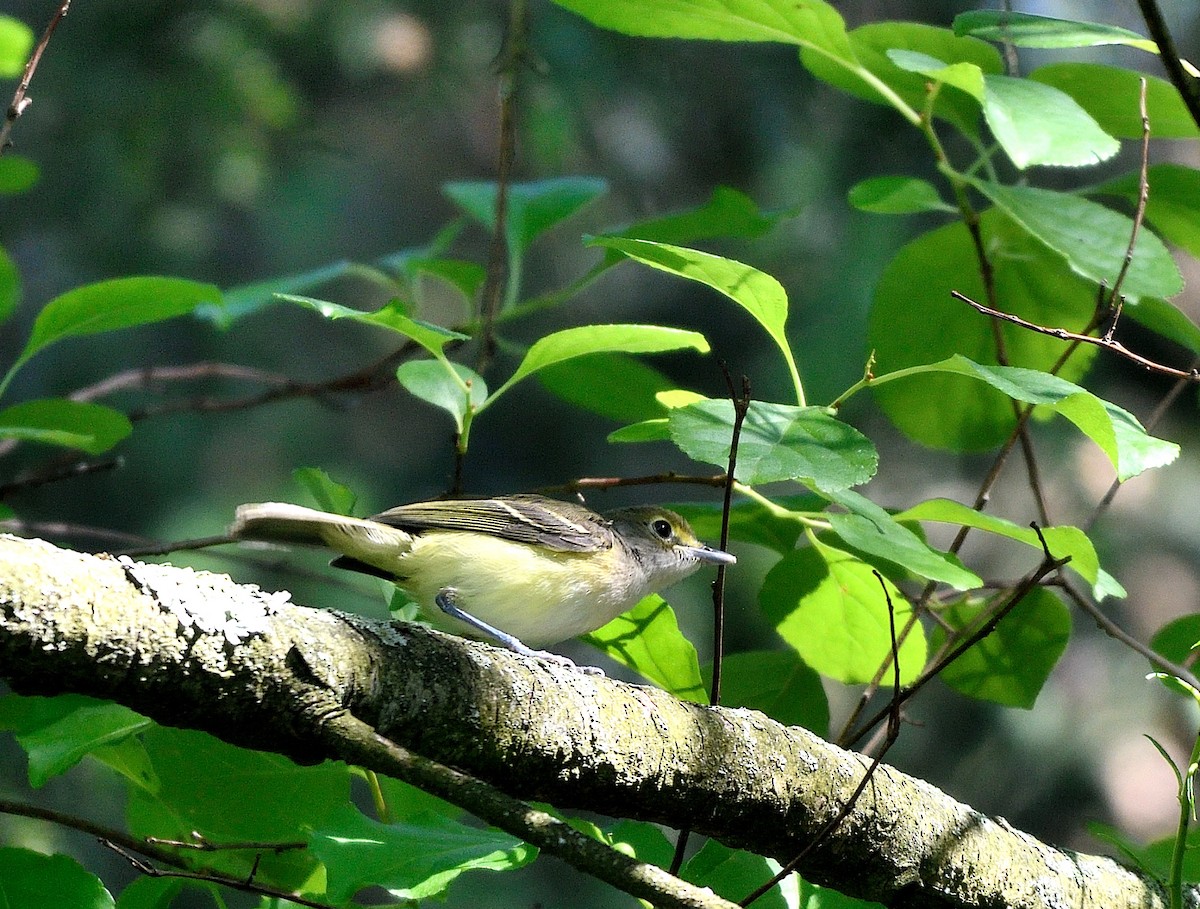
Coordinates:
(538,595)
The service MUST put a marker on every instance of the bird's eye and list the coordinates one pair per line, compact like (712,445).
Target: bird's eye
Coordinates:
(663,528)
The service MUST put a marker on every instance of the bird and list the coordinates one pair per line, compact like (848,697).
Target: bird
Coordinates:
(523,571)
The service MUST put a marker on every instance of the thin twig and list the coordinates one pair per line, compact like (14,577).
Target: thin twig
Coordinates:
(1115,631)
(1062,334)
(21,100)
(1116,301)
(246,885)
(146,376)
(585,483)
(58,472)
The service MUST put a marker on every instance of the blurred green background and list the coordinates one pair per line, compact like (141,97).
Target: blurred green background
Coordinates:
(235,141)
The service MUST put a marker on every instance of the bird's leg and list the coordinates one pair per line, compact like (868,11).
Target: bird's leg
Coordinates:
(445,602)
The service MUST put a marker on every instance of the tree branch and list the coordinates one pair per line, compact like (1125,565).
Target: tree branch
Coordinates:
(194,649)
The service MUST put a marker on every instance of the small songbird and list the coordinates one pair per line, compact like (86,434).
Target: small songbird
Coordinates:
(524,571)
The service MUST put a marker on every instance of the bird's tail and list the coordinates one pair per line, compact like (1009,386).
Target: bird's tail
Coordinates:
(280,522)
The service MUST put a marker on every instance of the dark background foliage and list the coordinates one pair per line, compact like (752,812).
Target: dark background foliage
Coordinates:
(234,141)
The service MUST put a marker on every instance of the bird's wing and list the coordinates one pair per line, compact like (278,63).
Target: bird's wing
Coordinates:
(561,526)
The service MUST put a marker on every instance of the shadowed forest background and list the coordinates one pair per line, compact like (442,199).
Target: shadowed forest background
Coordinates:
(231,142)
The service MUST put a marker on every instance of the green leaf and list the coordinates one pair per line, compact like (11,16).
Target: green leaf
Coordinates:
(875,43)
(230,794)
(245,299)
(413,860)
(589,339)
(808,23)
(57,732)
(914,321)
(16,41)
(756,292)
(612,385)
(965,76)
(10,285)
(1011,664)
(1173,203)
(110,305)
(641,840)
(1177,639)
(896,196)
(465,277)
(732,873)
(647,639)
(329,495)
(17,174)
(727,213)
(1025,30)
(29,880)
(874,532)
(432,337)
(1113,97)
(458,392)
(777,683)
(1062,541)
(72,424)
(156,892)
(1118,433)
(1093,239)
(778,442)
(533,208)
(829,606)
(1038,124)
(656,430)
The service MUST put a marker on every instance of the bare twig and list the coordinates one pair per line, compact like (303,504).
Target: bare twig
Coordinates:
(246,885)
(21,100)
(1062,334)
(1116,301)
(126,845)
(584,483)
(1115,631)
(146,376)
(57,472)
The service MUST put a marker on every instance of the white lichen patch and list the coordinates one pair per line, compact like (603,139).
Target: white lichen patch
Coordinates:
(207,603)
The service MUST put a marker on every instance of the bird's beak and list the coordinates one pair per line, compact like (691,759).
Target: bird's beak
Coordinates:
(709,555)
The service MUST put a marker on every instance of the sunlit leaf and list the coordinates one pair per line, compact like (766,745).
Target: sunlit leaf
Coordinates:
(456,393)
(412,860)
(1038,124)
(755,291)
(1011,664)
(830,607)
(647,639)
(778,442)
(589,339)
